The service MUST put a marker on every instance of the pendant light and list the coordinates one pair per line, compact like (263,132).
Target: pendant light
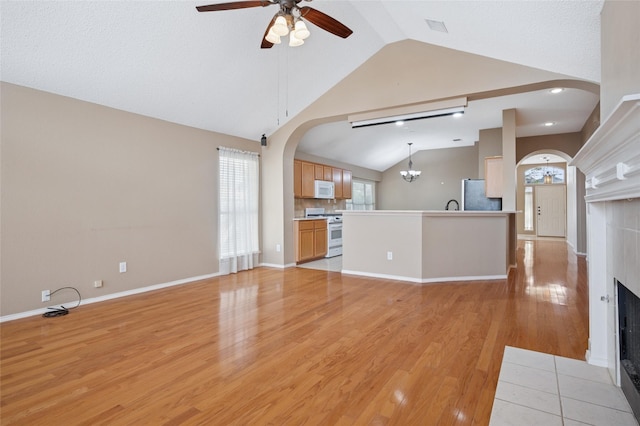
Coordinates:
(548,177)
(410,175)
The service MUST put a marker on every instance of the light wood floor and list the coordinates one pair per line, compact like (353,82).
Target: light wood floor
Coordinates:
(294,346)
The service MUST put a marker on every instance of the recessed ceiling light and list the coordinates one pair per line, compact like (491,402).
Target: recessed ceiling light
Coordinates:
(549,123)
(399,123)
(556,90)
(457,114)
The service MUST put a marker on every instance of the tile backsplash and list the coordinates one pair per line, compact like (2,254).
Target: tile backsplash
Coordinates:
(329,206)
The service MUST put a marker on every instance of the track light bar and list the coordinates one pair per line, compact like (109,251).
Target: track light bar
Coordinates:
(407,117)
(408,113)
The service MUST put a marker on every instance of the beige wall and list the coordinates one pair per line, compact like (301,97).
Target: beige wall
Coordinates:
(489,145)
(569,143)
(620,55)
(85,187)
(440,181)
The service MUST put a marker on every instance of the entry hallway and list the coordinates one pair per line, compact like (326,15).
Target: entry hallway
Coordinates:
(294,346)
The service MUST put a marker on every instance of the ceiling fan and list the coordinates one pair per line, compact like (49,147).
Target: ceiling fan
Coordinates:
(288,20)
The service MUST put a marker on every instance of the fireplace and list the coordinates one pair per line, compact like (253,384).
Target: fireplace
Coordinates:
(629,345)
(610,161)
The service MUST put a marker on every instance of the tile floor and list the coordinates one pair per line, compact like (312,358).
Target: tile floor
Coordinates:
(541,389)
(326,264)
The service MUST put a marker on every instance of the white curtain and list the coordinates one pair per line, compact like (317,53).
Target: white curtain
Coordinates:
(238,206)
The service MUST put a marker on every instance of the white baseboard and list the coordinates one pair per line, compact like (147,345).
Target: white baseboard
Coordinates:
(118,295)
(276,265)
(425,280)
(383,276)
(600,362)
(576,252)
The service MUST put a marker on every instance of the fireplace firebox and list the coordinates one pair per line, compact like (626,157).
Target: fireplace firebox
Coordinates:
(629,346)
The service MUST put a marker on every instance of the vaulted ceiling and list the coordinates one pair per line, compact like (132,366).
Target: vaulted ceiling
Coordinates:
(165,60)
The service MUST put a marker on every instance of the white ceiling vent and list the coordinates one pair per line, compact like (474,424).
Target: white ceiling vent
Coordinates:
(437,25)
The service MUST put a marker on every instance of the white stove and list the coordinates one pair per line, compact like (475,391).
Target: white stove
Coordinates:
(334,229)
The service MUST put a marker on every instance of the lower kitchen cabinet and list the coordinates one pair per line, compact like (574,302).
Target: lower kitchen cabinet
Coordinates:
(310,239)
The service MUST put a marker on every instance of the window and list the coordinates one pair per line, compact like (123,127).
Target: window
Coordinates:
(528,208)
(362,195)
(239,207)
(536,174)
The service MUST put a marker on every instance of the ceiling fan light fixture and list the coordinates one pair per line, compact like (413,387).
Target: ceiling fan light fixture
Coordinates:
(301,30)
(295,41)
(272,37)
(280,27)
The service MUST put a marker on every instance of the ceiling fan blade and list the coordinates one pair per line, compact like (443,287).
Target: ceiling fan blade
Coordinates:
(234,5)
(266,44)
(325,22)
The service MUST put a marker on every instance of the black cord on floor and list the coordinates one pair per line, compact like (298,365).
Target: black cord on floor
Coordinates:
(58,312)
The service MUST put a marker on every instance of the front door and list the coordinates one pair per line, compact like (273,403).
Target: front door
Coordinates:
(551,210)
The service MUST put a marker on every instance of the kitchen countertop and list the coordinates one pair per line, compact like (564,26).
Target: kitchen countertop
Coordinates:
(426,212)
(310,218)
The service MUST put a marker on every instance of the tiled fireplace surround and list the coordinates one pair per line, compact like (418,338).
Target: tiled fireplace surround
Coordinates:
(610,161)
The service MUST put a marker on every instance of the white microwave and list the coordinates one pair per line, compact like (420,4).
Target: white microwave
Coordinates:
(324,189)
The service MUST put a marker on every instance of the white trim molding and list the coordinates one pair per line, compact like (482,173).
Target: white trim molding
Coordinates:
(610,159)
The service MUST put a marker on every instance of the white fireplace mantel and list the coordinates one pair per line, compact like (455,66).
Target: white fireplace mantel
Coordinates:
(610,159)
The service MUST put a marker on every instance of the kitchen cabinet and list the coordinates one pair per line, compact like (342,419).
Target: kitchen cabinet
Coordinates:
(303,179)
(327,173)
(297,178)
(342,181)
(305,173)
(346,184)
(493,177)
(322,172)
(310,239)
(337,181)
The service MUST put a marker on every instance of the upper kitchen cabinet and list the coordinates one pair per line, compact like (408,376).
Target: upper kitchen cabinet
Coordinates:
(303,178)
(323,172)
(337,181)
(342,181)
(305,173)
(493,177)
(346,184)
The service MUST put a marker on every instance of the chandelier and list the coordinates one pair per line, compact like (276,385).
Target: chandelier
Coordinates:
(410,175)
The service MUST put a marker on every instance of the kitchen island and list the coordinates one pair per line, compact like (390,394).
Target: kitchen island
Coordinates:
(429,246)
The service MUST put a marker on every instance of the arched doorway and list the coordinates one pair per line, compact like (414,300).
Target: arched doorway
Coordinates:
(537,201)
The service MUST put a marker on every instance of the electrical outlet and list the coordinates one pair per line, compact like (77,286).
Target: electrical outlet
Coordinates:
(278,248)
(46,295)
(97,283)
(123,267)
(389,255)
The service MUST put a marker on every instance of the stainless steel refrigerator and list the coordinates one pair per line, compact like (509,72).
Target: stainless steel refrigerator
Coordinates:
(474,198)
